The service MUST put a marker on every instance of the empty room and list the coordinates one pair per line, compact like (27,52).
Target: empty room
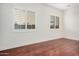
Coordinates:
(39,29)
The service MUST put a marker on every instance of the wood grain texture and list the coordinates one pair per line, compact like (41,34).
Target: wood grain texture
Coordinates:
(57,47)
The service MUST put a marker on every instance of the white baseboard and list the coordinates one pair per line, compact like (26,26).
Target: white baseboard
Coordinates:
(38,41)
(71,37)
(24,43)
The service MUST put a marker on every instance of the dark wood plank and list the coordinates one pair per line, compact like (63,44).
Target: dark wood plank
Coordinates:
(57,47)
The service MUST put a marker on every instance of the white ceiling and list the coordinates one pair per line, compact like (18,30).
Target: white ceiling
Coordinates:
(61,6)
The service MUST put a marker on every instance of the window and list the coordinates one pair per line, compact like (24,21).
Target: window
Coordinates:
(57,22)
(24,19)
(30,20)
(54,22)
(20,19)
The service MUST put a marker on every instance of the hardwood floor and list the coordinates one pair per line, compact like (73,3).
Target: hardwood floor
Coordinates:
(58,47)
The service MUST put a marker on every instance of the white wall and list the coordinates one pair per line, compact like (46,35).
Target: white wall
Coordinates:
(71,22)
(1,34)
(0,24)
(13,38)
